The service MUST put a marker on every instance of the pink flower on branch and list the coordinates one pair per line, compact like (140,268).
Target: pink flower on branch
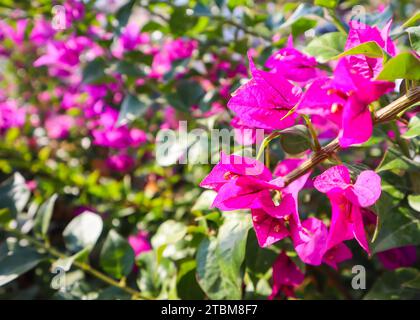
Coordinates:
(347,201)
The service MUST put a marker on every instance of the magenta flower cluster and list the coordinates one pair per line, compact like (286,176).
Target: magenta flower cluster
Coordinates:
(338,105)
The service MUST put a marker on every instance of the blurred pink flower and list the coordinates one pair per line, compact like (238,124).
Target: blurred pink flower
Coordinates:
(58,126)
(286,276)
(120,162)
(398,257)
(11,115)
(139,242)
(171,51)
(41,32)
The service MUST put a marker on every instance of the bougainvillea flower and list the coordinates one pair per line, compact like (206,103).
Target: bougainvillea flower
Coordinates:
(320,100)
(293,64)
(271,224)
(129,39)
(41,32)
(120,162)
(268,229)
(264,100)
(337,254)
(286,276)
(347,199)
(107,133)
(172,50)
(140,243)
(11,115)
(309,239)
(243,135)
(17,34)
(344,100)
(58,126)
(360,33)
(357,124)
(398,257)
(241,183)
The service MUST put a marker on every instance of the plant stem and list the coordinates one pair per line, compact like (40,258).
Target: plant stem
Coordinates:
(243,28)
(312,131)
(81,265)
(386,114)
(337,22)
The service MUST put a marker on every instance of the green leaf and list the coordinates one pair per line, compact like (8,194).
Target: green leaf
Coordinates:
(414,37)
(403,66)
(394,160)
(94,71)
(67,262)
(301,25)
(117,256)
(201,10)
(131,108)
(331,4)
(390,286)
(156,278)
(369,49)
(219,260)
(187,286)
(17,262)
(304,10)
(414,201)
(188,93)
(180,22)
(295,140)
(204,201)
(14,194)
(83,231)
(398,227)
(327,46)
(169,232)
(43,216)
(129,69)
(412,21)
(414,283)
(413,128)
(123,14)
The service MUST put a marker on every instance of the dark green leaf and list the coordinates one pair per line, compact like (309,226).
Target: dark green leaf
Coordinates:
(394,160)
(14,194)
(94,71)
(219,260)
(131,108)
(398,226)
(124,13)
(117,256)
(295,139)
(19,261)
(390,286)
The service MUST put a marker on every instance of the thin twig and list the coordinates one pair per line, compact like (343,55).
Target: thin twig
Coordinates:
(386,114)
(81,265)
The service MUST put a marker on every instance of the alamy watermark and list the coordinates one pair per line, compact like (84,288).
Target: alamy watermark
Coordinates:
(200,146)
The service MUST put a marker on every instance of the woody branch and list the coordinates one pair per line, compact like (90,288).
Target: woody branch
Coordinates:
(386,114)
